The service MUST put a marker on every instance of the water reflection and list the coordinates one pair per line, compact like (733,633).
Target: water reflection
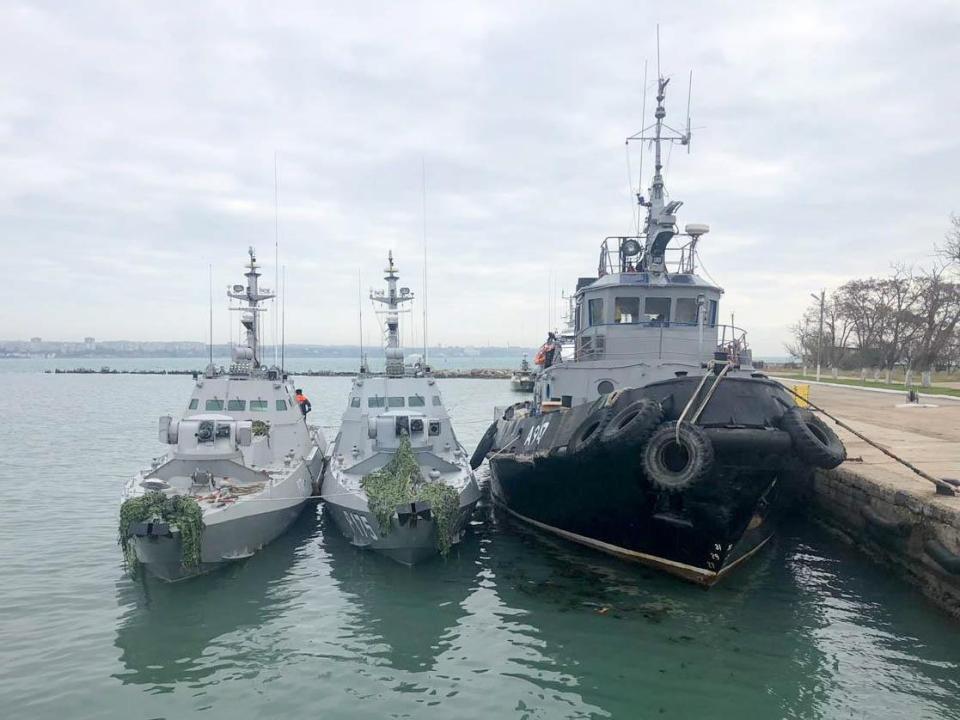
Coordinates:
(168,630)
(407,614)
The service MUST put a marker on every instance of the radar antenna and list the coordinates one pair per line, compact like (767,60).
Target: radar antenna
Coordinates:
(661,217)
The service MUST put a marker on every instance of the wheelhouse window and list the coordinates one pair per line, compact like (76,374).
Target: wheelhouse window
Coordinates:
(236,405)
(213,404)
(686,311)
(281,404)
(376,401)
(395,402)
(595,311)
(626,310)
(713,313)
(193,404)
(436,400)
(355,402)
(416,401)
(658,309)
(258,406)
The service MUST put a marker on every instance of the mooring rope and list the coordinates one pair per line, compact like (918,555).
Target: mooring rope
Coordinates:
(696,394)
(943,488)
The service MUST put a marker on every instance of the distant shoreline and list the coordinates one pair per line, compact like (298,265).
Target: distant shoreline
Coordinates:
(472,373)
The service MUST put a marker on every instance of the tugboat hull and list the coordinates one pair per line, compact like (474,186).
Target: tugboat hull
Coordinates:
(600,494)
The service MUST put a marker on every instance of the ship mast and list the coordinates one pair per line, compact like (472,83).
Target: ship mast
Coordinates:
(661,218)
(393,300)
(253,294)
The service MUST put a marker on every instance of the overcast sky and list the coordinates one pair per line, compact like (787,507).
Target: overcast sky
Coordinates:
(137,147)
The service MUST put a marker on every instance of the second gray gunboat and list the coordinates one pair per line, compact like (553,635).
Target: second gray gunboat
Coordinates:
(398,481)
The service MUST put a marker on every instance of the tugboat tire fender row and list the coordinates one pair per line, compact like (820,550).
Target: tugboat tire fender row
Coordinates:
(677,457)
(813,440)
(484,446)
(632,426)
(586,438)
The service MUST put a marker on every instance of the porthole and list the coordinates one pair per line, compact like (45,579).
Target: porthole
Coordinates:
(604,387)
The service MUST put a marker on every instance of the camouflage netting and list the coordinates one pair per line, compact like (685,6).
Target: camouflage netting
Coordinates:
(179,510)
(400,481)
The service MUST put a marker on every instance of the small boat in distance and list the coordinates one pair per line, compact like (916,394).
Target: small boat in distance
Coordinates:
(242,462)
(398,481)
(522,380)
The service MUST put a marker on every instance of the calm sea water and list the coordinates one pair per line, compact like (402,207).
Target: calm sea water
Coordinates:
(293,364)
(511,625)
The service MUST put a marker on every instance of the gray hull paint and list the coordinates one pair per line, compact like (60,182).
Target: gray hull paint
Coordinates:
(222,543)
(225,541)
(408,544)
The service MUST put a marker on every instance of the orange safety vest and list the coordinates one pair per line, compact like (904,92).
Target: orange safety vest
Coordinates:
(301,398)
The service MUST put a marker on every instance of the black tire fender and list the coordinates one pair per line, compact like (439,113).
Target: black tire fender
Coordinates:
(676,466)
(586,438)
(892,527)
(947,560)
(632,426)
(813,440)
(484,446)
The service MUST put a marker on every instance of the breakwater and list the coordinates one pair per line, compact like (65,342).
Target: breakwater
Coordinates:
(472,373)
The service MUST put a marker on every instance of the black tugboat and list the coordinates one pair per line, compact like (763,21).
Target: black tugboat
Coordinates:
(658,442)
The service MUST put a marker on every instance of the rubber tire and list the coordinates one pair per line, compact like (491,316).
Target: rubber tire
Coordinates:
(585,440)
(814,441)
(632,426)
(699,450)
(484,446)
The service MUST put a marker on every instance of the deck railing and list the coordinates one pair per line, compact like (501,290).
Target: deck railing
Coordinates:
(614,257)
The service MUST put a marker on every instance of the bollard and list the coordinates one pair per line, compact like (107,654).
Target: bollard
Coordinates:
(802,395)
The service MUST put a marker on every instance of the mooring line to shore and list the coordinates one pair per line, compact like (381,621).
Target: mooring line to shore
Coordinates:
(943,487)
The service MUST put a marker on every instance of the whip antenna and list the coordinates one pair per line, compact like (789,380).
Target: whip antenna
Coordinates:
(360,311)
(283,321)
(210,268)
(276,247)
(689,92)
(423,188)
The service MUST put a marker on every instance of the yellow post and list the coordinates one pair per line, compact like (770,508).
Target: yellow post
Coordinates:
(804,392)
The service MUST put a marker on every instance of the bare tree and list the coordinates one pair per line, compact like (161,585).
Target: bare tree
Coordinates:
(936,316)
(950,250)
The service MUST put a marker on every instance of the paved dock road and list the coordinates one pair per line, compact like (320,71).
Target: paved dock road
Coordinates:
(929,437)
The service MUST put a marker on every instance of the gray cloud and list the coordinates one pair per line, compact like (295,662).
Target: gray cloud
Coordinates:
(138,147)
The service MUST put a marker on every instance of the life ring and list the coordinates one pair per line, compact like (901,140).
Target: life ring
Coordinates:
(673,465)
(484,446)
(586,438)
(814,441)
(632,426)
(541,357)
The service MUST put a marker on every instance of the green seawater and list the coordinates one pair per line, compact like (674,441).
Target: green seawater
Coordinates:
(511,625)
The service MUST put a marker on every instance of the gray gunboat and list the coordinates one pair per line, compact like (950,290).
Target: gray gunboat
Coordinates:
(382,411)
(242,450)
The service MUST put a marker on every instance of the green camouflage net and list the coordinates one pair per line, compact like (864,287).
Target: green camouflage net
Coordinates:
(400,481)
(178,510)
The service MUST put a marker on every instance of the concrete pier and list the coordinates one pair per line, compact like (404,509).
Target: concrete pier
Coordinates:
(881,506)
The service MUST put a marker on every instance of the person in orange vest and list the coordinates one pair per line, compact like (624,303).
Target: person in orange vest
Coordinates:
(548,351)
(302,401)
